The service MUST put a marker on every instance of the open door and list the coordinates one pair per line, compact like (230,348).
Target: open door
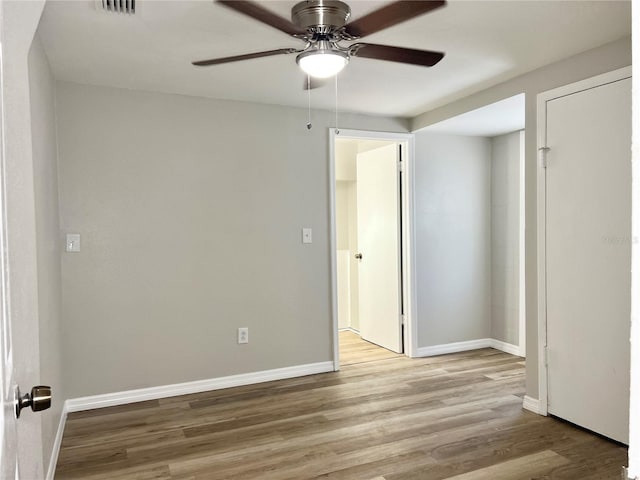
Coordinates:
(379,255)
(8,432)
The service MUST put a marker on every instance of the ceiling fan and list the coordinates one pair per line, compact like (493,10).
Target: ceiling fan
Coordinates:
(322,24)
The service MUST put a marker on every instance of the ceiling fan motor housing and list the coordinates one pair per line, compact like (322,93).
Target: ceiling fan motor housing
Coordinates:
(320,16)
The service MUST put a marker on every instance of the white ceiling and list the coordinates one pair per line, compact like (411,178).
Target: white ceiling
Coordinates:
(486,42)
(489,121)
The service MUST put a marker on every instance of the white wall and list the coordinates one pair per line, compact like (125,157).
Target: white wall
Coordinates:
(48,245)
(344,255)
(347,238)
(347,216)
(352,196)
(584,65)
(342,215)
(345,155)
(190,212)
(453,238)
(505,237)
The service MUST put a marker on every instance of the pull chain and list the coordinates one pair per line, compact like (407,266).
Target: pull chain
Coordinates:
(337,131)
(309,96)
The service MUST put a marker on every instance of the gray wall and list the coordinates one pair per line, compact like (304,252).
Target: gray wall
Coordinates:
(587,64)
(505,237)
(48,243)
(190,212)
(453,238)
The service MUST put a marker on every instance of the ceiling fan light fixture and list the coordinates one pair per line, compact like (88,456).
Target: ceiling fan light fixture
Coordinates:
(322,63)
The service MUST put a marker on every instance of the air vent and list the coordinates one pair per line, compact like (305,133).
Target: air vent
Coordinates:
(127,7)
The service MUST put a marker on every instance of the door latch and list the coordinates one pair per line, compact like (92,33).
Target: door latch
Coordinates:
(38,399)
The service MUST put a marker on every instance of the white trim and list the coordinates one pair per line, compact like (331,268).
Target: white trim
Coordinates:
(349,329)
(408,234)
(541,182)
(333,255)
(542,100)
(516,350)
(457,347)
(409,248)
(533,405)
(55,451)
(634,396)
(154,393)
(522,290)
(454,347)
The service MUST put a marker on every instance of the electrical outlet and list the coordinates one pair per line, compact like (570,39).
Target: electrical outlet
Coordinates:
(243,335)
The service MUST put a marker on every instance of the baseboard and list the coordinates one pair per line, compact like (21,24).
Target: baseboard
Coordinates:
(533,405)
(469,345)
(453,347)
(349,329)
(506,347)
(154,393)
(55,451)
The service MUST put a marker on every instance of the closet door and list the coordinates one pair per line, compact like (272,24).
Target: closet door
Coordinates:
(588,257)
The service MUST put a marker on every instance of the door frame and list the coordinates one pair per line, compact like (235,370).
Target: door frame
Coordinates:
(410,333)
(541,125)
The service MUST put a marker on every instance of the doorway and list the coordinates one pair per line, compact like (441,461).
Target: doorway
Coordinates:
(371,232)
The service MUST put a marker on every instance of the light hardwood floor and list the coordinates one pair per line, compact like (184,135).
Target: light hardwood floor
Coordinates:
(382,417)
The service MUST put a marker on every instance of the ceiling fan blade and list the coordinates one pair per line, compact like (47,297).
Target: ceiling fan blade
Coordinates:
(315,83)
(248,56)
(390,15)
(425,58)
(257,12)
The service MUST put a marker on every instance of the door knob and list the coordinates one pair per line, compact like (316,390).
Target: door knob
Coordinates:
(358,256)
(38,399)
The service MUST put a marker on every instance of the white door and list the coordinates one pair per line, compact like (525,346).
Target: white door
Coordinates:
(8,433)
(378,206)
(588,257)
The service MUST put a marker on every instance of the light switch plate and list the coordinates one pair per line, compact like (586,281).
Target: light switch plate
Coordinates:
(73,242)
(307,235)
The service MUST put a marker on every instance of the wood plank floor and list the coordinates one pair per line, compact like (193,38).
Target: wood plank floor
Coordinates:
(382,417)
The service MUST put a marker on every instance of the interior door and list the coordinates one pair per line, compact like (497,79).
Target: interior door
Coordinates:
(378,206)
(8,432)
(588,257)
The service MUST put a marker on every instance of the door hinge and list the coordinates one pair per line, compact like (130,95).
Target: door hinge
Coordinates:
(400,165)
(543,156)
(401,319)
